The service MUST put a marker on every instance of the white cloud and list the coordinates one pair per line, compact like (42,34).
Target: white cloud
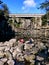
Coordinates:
(28,4)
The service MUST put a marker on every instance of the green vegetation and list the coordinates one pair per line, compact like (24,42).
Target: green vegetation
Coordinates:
(45,18)
(5,29)
(45,5)
(4,12)
(17,24)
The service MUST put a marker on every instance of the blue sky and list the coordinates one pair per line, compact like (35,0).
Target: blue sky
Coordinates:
(24,6)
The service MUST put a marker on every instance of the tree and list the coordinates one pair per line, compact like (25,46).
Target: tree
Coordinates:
(45,5)
(1,2)
(44,20)
(6,32)
(5,11)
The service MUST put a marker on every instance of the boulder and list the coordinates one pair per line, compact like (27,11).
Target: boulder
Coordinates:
(34,50)
(29,57)
(7,48)
(8,54)
(32,62)
(10,62)
(20,58)
(40,45)
(39,58)
(2,48)
(1,54)
(26,42)
(14,53)
(48,50)
(47,64)
(4,59)
(6,43)
(1,62)
(11,49)
(12,40)
(18,49)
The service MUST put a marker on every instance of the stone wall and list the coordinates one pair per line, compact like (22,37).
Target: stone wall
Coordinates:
(26,19)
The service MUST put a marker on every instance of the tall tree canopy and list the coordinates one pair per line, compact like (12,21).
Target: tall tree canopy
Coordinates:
(45,18)
(45,5)
(4,10)
(6,32)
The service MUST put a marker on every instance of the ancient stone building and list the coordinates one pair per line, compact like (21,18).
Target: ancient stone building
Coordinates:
(28,20)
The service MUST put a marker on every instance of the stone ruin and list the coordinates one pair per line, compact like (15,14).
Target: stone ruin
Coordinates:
(15,52)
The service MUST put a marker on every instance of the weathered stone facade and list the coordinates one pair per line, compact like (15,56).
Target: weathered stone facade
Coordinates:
(26,19)
(32,24)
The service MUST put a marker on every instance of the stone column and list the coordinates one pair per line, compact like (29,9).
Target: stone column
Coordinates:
(17,19)
(40,21)
(13,23)
(35,22)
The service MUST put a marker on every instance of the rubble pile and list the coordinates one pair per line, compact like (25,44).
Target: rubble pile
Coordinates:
(21,52)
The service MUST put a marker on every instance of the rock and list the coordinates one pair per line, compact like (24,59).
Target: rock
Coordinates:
(48,50)
(1,54)
(20,58)
(18,49)
(4,59)
(14,53)
(11,49)
(1,44)
(40,45)
(1,63)
(8,54)
(32,45)
(47,64)
(7,48)
(27,46)
(6,43)
(12,40)
(2,48)
(29,57)
(32,62)
(39,63)
(26,42)
(10,62)
(34,50)
(39,58)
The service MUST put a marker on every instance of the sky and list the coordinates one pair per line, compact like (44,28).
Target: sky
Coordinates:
(24,6)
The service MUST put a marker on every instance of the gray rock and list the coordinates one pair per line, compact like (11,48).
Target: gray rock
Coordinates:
(29,57)
(7,48)
(6,43)
(2,48)
(4,59)
(1,62)
(8,55)
(10,62)
(12,40)
(26,42)
(1,54)
(39,58)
